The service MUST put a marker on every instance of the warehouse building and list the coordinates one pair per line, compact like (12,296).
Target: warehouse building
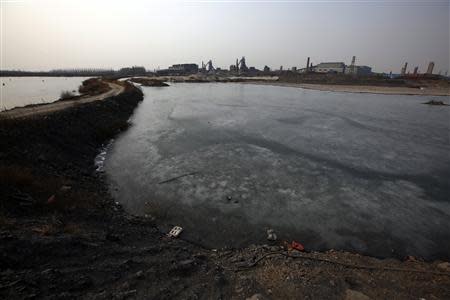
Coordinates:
(330,67)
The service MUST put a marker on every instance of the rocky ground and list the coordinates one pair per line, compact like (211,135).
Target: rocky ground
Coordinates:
(63,237)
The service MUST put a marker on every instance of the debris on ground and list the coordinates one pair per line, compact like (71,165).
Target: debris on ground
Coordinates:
(297,246)
(444,266)
(175,231)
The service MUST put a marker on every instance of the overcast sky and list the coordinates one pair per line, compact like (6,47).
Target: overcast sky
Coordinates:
(48,34)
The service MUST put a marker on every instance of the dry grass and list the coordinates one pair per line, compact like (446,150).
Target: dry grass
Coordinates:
(93,86)
(66,95)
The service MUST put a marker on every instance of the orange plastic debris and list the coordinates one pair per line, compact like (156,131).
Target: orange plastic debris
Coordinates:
(297,246)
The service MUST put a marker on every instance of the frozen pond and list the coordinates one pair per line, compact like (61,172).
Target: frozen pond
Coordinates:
(21,91)
(361,172)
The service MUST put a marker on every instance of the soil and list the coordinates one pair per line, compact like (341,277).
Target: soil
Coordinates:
(424,85)
(62,236)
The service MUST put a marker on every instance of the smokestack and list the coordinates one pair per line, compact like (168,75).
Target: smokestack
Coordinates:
(404,69)
(430,68)
(415,70)
(307,65)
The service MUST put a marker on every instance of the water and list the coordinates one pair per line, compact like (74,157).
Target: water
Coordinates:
(21,91)
(360,172)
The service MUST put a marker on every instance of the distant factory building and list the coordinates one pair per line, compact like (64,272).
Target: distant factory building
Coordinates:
(330,67)
(358,70)
(184,68)
(179,69)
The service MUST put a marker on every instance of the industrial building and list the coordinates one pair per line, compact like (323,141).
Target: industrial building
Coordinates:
(179,69)
(337,68)
(330,67)
(240,68)
(184,68)
(358,70)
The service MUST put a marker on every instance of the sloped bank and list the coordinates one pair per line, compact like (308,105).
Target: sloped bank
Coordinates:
(62,236)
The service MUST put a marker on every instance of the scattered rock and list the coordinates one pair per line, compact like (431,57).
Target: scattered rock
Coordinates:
(411,258)
(355,295)
(257,297)
(65,188)
(126,294)
(139,274)
(271,236)
(445,266)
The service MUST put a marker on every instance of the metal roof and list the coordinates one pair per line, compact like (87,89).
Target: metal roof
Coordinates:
(331,65)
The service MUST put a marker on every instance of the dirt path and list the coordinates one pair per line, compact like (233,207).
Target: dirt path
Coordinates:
(27,111)
(431,91)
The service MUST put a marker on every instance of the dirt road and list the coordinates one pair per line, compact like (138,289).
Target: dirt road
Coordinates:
(32,110)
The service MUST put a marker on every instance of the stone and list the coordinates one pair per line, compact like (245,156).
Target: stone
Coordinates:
(355,295)
(65,188)
(444,266)
(271,236)
(139,274)
(257,297)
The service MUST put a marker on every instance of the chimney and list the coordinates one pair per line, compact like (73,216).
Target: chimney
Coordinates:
(430,68)
(307,65)
(404,68)
(415,70)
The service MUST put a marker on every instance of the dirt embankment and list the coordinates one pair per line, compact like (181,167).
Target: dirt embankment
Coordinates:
(63,237)
(94,86)
(431,86)
(93,89)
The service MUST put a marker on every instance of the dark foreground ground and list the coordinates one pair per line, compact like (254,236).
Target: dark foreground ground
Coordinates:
(63,237)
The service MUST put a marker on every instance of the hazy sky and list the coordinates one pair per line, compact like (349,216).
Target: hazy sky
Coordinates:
(48,34)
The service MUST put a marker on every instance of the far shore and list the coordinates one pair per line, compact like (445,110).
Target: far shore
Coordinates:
(428,89)
(387,90)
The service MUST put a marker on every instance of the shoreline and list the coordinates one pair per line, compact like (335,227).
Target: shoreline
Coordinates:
(429,88)
(62,235)
(60,104)
(363,89)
